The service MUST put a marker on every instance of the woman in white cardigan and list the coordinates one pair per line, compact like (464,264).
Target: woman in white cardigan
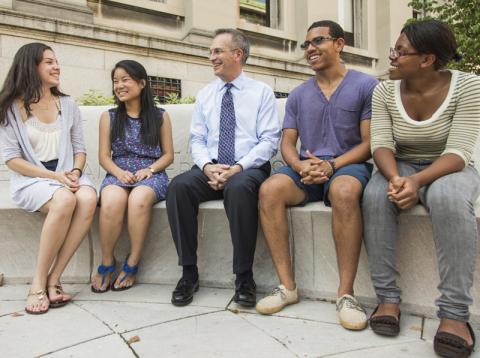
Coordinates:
(42,144)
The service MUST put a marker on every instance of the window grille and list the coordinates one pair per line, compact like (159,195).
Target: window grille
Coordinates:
(162,87)
(281,94)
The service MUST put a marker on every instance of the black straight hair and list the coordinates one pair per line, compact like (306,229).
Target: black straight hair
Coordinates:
(151,118)
(433,37)
(334,29)
(23,80)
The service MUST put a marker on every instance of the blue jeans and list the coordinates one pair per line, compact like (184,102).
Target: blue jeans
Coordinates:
(450,202)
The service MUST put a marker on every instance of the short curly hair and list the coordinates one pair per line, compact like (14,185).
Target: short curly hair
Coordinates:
(334,29)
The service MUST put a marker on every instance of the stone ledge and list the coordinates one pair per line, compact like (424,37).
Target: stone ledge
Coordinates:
(311,241)
(19,240)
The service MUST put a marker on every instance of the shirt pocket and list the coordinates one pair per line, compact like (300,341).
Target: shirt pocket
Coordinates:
(347,116)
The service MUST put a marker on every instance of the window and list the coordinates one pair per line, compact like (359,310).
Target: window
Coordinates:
(261,12)
(349,23)
(350,18)
(281,94)
(162,87)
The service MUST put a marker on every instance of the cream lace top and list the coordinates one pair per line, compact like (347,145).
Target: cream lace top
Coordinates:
(44,138)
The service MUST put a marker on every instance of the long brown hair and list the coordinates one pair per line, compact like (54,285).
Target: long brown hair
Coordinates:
(23,81)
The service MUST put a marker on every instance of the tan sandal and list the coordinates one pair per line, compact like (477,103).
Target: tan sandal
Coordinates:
(41,297)
(58,291)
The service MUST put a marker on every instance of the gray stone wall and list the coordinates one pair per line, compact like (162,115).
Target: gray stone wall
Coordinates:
(172,39)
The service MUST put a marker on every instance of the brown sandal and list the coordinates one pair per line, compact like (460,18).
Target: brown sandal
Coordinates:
(41,296)
(450,345)
(385,325)
(60,302)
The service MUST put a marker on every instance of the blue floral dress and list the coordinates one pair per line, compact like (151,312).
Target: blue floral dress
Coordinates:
(132,155)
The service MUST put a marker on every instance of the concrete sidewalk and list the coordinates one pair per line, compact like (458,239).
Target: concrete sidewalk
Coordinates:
(141,322)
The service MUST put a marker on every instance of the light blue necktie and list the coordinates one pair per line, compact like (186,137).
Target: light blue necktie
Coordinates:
(226,140)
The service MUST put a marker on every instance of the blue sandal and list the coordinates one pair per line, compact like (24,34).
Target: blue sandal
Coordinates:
(103,270)
(128,270)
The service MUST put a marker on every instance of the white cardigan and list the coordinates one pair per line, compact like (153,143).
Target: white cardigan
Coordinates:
(30,193)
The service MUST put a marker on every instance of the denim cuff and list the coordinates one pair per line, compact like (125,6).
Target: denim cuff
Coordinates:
(445,314)
(385,299)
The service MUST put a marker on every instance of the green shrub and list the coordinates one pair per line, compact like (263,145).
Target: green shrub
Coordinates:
(172,98)
(95,98)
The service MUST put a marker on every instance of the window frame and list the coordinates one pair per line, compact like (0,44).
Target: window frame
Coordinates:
(272,18)
(357,38)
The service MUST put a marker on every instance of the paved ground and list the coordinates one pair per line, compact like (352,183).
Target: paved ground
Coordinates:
(141,322)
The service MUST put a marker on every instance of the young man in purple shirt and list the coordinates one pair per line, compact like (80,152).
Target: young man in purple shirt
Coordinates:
(330,114)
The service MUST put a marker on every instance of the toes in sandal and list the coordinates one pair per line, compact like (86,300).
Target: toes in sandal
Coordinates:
(385,325)
(128,270)
(60,302)
(450,345)
(104,270)
(41,296)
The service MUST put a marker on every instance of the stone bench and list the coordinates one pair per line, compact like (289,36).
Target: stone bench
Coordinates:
(311,240)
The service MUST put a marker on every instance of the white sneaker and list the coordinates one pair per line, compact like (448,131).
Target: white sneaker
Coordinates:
(277,299)
(350,313)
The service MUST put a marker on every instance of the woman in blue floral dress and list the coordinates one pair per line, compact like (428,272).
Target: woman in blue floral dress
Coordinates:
(135,149)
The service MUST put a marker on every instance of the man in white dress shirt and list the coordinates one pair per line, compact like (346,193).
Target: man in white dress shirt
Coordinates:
(234,133)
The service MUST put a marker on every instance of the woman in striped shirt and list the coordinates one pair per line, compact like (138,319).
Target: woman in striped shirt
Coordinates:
(425,123)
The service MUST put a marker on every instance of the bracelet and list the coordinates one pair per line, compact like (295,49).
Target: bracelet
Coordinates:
(151,170)
(80,171)
(331,162)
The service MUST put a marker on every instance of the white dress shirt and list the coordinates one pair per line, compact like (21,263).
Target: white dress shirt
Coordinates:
(257,128)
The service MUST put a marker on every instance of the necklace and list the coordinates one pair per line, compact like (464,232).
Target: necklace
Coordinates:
(57,104)
(47,107)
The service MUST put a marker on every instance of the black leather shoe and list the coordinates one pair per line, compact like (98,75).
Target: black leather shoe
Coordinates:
(245,293)
(183,293)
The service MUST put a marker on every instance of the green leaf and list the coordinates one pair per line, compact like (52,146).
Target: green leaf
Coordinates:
(464,18)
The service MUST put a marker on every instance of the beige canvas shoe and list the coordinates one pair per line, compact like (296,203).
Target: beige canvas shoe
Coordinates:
(350,313)
(277,299)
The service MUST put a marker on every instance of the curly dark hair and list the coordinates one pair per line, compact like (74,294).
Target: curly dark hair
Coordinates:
(334,29)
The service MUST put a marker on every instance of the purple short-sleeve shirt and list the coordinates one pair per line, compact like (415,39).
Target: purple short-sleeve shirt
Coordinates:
(330,127)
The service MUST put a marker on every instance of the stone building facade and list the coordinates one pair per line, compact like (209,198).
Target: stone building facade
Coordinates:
(171,37)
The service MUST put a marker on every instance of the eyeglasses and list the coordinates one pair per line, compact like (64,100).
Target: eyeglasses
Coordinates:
(219,51)
(317,41)
(394,53)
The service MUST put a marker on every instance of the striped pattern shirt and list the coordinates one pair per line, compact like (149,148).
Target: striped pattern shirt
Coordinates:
(453,128)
